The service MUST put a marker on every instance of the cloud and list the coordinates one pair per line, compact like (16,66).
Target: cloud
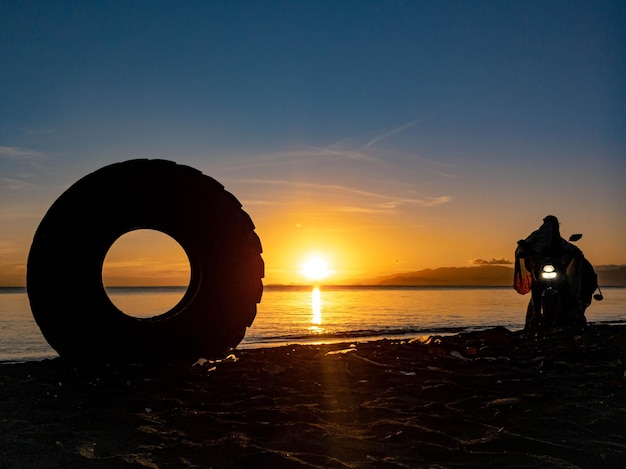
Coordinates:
(350,180)
(362,166)
(391,132)
(16,162)
(15,184)
(355,209)
(493,261)
(17,153)
(304,157)
(377,201)
(403,127)
(6,247)
(259,203)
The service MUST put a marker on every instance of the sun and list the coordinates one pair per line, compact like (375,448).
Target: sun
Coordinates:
(315,268)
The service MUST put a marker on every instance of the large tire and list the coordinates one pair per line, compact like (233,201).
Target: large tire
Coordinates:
(64,275)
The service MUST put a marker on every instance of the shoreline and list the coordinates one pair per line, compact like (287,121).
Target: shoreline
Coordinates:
(491,398)
(335,339)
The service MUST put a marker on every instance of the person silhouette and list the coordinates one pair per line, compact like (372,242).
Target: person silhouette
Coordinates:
(579,281)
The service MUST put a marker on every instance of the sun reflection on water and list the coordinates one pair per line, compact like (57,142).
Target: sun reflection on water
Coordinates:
(316,310)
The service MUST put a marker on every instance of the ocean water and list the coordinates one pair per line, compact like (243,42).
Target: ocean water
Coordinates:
(328,314)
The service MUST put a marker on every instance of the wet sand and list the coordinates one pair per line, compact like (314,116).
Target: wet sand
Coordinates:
(488,399)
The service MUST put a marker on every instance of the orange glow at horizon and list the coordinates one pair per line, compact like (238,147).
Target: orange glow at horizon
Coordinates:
(355,247)
(146,258)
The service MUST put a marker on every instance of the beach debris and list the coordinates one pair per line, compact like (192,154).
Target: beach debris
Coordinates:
(417,340)
(503,402)
(398,433)
(370,362)
(341,352)
(232,358)
(205,366)
(489,344)
(457,354)
(87,450)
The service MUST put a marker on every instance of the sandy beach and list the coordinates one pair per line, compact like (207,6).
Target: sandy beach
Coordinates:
(490,399)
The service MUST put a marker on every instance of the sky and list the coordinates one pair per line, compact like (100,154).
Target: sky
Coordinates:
(384,137)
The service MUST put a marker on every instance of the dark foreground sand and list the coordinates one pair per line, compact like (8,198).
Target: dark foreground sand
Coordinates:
(490,399)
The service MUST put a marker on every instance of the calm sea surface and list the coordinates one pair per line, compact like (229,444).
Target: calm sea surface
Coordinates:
(329,314)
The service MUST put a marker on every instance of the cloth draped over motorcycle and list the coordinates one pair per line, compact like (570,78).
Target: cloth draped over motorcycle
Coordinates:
(561,279)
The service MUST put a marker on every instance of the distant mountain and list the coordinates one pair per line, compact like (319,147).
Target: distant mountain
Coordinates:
(481,276)
(611,276)
(484,276)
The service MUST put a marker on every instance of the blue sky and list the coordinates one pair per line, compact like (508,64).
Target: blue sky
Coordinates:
(445,130)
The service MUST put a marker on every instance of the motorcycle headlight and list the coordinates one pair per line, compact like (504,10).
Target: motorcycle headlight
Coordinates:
(548,272)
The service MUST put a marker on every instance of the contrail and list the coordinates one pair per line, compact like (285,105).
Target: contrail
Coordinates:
(391,132)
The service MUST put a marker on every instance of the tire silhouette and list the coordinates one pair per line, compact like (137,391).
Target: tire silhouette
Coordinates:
(64,274)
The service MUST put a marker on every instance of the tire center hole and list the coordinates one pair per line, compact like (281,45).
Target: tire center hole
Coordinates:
(146,273)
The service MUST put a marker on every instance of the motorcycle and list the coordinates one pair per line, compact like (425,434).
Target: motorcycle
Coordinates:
(562,288)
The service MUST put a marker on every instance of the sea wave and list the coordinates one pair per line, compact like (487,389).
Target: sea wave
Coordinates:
(376,334)
(363,334)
